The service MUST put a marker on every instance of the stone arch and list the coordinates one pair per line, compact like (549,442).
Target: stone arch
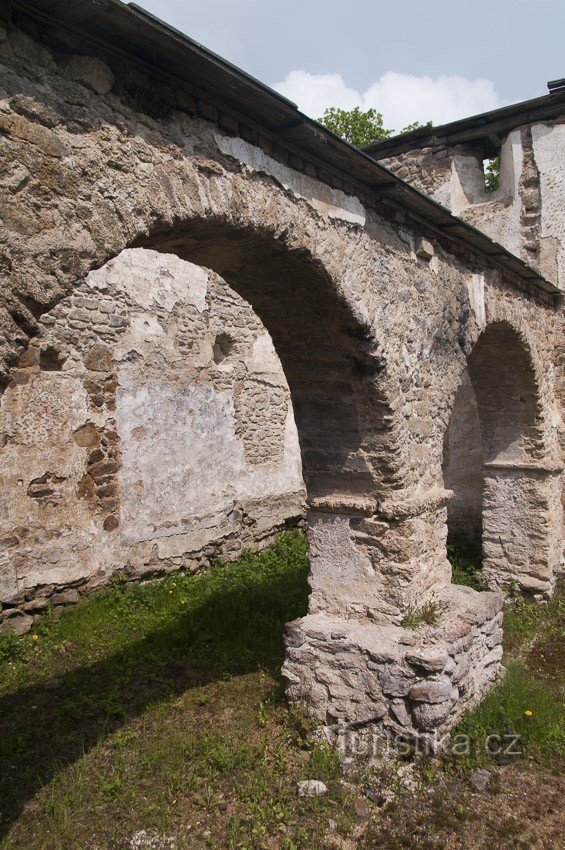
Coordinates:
(249,234)
(328,355)
(332,363)
(182,209)
(506,492)
(175,194)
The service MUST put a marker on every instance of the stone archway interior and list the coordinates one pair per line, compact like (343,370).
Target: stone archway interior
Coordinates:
(160,389)
(463,467)
(494,452)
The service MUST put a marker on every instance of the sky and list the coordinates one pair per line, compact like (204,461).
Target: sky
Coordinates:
(412,60)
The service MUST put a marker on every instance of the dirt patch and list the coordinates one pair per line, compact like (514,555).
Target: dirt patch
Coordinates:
(520,809)
(549,659)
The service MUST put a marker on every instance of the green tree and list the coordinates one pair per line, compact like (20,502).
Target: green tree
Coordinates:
(416,126)
(361,127)
(355,126)
(492,174)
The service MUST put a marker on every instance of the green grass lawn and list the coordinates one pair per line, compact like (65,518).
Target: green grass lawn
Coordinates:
(160,707)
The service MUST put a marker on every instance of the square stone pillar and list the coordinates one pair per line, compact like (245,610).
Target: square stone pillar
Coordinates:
(522,525)
(352,662)
(377,560)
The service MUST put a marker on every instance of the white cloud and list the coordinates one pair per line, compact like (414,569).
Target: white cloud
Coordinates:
(402,98)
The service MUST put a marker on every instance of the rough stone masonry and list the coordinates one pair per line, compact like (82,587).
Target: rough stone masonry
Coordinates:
(168,225)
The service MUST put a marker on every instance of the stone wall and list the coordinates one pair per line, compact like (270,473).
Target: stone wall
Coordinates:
(147,427)
(401,682)
(526,213)
(373,314)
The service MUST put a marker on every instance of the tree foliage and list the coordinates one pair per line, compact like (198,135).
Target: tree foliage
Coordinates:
(355,126)
(415,125)
(492,174)
(361,127)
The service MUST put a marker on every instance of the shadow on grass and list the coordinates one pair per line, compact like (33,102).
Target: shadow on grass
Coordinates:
(236,627)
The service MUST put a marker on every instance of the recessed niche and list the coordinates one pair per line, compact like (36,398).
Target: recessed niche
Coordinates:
(222,348)
(51,359)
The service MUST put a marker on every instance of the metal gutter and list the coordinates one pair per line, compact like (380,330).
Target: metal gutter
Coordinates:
(482,130)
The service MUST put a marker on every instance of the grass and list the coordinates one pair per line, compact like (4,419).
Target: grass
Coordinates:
(160,708)
(522,714)
(527,622)
(466,561)
(530,700)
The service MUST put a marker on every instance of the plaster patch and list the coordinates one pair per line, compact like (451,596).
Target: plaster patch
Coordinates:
(151,279)
(330,203)
(476,290)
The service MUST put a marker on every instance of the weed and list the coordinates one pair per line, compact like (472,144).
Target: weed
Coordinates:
(427,615)
(11,648)
(323,764)
(262,715)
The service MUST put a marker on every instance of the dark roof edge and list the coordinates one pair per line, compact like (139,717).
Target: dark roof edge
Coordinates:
(128,31)
(475,129)
(210,53)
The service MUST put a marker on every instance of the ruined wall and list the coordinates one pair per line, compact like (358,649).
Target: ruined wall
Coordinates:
(147,427)
(373,315)
(526,213)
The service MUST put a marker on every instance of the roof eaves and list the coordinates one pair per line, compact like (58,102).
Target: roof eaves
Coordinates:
(143,32)
(475,128)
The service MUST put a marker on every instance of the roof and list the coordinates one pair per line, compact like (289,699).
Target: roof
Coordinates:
(485,131)
(146,42)
(555,86)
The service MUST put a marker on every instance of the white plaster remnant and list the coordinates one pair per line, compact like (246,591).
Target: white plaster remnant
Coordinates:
(476,290)
(330,203)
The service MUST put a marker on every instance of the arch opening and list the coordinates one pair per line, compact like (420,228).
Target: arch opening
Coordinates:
(503,494)
(327,354)
(140,386)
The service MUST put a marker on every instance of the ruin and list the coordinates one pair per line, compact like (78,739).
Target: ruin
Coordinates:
(214,312)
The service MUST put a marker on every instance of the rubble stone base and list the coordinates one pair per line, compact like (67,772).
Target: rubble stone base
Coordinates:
(393,681)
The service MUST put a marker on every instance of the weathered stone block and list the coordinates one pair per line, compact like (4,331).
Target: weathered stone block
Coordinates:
(431,691)
(15,622)
(433,658)
(91,72)
(66,597)
(429,717)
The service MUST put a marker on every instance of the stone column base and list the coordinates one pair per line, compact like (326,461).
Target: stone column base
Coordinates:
(394,681)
